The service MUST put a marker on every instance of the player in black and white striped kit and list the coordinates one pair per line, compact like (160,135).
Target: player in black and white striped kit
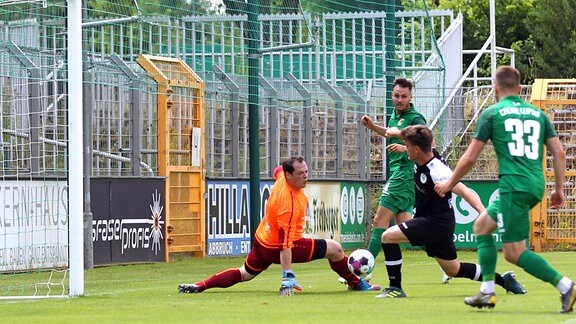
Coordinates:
(433,223)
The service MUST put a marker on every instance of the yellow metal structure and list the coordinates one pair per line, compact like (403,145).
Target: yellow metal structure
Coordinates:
(556,229)
(180,151)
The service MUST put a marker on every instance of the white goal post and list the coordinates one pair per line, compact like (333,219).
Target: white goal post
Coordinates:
(75,151)
(41,161)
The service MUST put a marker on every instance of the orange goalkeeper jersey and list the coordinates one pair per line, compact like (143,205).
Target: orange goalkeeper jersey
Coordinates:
(284,220)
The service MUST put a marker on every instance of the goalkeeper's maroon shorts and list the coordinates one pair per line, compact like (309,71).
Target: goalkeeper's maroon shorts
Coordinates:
(304,250)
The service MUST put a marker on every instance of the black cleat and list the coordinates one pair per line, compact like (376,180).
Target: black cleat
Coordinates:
(189,288)
(481,300)
(392,292)
(568,299)
(512,285)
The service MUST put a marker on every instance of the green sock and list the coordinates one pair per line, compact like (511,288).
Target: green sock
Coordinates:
(487,256)
(539,267)
(375,244)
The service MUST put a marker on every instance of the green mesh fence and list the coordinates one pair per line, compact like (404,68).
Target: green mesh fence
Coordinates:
(321,66)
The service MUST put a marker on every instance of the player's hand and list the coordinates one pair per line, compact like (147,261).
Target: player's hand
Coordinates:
(367,121)
(442,188)
(556,199)
(398,148)
(288,284)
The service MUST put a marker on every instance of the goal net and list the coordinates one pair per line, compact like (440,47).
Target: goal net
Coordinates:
(40,173)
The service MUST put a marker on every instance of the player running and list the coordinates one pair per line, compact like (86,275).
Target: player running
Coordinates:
(519,132)
(433,223)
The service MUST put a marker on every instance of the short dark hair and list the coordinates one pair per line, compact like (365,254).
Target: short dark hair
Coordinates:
(418,135)
(288,165)
(402,83)
(507,77)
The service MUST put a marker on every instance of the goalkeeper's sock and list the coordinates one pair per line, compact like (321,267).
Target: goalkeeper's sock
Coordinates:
(487,256)
(538,267)
(375,244)
(393,261)
(223,279)
(341,268)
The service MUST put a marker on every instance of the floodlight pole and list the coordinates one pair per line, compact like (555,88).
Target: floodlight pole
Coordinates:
(75,156)
(253,118)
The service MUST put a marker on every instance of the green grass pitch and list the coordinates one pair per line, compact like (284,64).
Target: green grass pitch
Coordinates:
(147,293)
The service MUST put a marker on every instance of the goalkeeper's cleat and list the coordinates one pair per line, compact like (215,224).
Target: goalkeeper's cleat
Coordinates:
(189,288)
(367,278)
(568,299)
(445,278)
(481,300)
(512,285)
(392,292)
(363,285)
(285,291)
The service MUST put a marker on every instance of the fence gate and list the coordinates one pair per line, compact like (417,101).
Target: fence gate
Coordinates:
(180,151)
(555,229)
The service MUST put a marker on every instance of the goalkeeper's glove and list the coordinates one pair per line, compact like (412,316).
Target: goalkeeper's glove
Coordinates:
(288,284)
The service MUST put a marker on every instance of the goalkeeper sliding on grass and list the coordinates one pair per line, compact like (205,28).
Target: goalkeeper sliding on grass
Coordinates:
(278,239)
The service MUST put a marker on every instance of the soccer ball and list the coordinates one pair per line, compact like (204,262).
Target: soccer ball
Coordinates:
(361,262)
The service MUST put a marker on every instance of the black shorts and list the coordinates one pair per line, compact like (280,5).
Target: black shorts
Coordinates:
(436,235)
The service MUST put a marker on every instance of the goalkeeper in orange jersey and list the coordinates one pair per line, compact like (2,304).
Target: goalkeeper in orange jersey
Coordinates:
(278,239)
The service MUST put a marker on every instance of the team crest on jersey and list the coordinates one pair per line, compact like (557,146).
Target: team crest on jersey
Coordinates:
(423,178)
(400,121)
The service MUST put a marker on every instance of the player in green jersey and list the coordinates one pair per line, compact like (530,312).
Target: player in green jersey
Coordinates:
(519,132)
(397,199)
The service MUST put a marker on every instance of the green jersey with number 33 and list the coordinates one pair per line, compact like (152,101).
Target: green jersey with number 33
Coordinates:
(518,132)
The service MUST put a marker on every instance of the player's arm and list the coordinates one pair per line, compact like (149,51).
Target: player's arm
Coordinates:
(463,191)
(284,227)
(288,283)
(369,123)
(286,259)
(554,146)
(396,132)
(288,277)
(464,166)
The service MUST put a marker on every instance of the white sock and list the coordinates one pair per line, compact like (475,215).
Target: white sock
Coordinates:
(563,285)
(487,287)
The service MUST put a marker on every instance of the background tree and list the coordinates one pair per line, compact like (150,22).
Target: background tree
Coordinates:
(512,27)
(553,39)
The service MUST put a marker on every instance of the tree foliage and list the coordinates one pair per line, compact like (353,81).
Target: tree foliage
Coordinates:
(553,39)
(511,24)
(542,33)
